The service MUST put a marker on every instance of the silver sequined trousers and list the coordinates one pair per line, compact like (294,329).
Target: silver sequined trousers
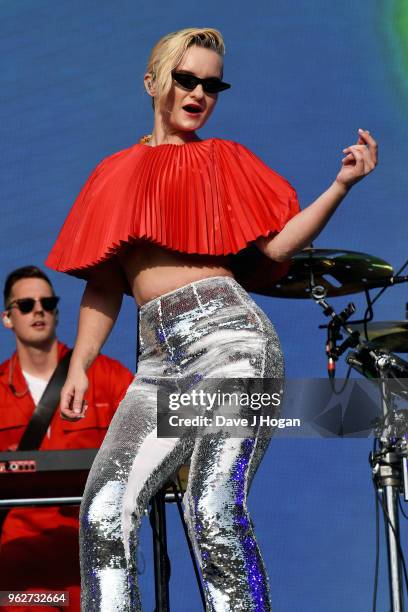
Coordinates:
(210,328)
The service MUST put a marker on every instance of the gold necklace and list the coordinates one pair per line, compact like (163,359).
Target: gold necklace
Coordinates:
(145,139)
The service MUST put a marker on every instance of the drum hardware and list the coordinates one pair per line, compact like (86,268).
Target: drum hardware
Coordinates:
(390,459)
(320,273)
(388,464)
(338,321)
(172,491)
(337,272)
(391,335)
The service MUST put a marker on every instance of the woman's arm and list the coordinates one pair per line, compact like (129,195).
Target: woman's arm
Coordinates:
(99,310)
(360,160)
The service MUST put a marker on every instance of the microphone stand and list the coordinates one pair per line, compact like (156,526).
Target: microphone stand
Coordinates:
(337,322)
(389,462)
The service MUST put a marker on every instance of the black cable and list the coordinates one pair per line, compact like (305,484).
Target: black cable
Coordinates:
(369,313)
(344,385)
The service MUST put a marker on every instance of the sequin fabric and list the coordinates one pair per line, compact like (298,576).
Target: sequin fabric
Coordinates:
(210,328)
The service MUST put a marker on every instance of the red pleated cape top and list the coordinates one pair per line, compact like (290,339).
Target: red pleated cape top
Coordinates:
(210,197)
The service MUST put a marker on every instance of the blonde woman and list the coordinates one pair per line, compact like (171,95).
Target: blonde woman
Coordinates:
(159,220)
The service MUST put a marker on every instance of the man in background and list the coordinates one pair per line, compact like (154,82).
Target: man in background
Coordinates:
(39,546)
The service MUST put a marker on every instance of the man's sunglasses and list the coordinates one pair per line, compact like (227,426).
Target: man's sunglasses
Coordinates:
(212,85)
(26,305)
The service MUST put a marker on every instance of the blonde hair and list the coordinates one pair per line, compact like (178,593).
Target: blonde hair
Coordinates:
(169,51)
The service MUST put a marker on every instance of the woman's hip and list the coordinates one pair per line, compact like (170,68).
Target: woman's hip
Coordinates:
(211,325)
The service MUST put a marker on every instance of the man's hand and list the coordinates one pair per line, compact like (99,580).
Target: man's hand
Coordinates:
(360,160)
(72,405)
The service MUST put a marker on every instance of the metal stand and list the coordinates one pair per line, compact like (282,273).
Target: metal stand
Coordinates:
(389,462)
(161,560)
(388,468)
(162,567)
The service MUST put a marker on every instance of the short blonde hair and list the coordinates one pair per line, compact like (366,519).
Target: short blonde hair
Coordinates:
(169,51)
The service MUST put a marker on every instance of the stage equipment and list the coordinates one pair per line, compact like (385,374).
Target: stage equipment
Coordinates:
(390,335)
(58,477)
(388,460)
(317,274)
(338,272)
(172,492)
(44,478)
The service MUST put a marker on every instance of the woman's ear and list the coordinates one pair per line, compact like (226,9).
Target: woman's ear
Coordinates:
(149,84)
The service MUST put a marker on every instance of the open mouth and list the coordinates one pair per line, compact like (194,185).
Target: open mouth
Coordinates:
(39,324)
(192,108)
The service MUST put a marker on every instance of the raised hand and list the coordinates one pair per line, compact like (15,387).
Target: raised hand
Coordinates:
(360,160)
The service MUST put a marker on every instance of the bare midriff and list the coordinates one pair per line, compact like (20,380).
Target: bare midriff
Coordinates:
(152,270)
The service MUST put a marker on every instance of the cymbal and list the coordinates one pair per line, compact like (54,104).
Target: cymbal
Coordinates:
(340,272)
(391,335)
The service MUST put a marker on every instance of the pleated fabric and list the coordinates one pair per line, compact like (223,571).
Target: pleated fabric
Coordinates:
(209,197)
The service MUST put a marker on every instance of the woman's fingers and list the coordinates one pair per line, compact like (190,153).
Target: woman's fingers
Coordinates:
(348,159)
(77,404)
(70,414)
(359,153)
(355,147)
(354,154)
(66,398)
(367,145)
(72,404)
(359,160)
(361,156)
(370,143)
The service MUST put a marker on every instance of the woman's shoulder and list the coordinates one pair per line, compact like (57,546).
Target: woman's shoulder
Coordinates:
(224,143)
(116,156)
(233,147)
(241,156)
(225,155)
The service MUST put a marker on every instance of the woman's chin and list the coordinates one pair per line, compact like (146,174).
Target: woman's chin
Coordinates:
(188,125)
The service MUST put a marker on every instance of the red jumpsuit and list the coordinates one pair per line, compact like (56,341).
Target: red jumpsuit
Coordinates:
(39,546)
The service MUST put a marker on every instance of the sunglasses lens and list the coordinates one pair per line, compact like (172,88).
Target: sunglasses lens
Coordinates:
(190,82)
(49,303)
(187,81)
(26,305)
(216,86)
(212,86)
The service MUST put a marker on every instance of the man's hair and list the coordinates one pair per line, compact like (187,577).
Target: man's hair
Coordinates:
(169,51)
(20,273)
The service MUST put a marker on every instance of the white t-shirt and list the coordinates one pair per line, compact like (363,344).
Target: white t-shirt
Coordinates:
(36,385)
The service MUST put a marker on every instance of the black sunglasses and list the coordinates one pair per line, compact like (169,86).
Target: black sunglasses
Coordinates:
(212,85)
(26,305)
